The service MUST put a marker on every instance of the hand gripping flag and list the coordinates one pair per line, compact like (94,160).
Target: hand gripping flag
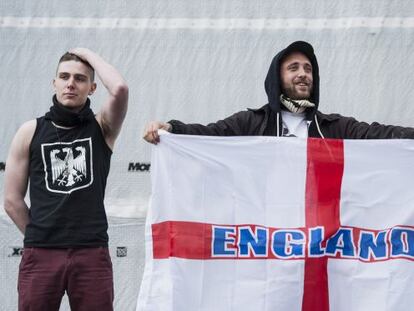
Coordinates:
(265,223)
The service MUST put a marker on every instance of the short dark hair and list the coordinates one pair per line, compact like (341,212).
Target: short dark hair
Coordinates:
(70,56)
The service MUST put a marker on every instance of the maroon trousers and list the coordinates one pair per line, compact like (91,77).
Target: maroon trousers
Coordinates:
(84,273)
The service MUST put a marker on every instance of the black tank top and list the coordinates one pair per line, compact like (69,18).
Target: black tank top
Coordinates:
(68,172)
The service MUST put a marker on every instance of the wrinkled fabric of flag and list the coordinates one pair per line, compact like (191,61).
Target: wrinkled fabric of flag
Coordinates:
(266,223)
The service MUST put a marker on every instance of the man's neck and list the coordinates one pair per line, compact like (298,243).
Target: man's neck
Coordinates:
(294,105)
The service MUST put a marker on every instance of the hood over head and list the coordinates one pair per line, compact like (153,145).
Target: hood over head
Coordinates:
(273,83)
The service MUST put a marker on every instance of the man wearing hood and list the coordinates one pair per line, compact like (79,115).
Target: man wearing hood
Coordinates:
(292,87)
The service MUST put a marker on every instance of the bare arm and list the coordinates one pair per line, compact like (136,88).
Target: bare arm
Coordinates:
(16,176)
(114,109)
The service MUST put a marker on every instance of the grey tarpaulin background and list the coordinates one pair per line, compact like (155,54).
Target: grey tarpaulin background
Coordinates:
(194,61)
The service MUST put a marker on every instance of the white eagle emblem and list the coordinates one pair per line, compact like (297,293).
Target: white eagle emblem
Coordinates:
(69,170)
(68,165)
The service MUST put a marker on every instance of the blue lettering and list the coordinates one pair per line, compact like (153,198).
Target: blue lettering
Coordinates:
(315,243)
(250,242)
(371,246)
(284,245)
(223,242)
(402,242)
(341,242)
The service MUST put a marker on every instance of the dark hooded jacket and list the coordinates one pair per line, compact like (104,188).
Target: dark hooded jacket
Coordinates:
(266,121)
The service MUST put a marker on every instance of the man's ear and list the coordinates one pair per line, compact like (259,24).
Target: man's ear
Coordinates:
(54,84)
(92,89)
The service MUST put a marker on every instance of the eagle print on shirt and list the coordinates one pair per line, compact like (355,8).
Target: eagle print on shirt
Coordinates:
(68,165)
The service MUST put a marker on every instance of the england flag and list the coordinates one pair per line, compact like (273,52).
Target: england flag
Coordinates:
(266,223)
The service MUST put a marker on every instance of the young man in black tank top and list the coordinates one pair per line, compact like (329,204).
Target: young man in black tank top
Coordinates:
(65,155)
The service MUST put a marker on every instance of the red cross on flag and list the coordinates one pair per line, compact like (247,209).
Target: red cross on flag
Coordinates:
(265,223)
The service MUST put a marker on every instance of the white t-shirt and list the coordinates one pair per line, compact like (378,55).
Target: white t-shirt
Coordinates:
(294,124)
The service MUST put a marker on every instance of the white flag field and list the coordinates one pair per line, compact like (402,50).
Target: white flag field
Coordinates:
(266,223)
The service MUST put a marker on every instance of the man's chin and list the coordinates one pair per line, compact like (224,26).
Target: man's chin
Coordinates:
(301,96)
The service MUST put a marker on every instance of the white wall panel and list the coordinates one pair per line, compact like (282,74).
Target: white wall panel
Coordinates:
(200,61)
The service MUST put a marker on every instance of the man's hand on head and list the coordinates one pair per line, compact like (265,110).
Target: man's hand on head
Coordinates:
(151,131)
(81,52)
